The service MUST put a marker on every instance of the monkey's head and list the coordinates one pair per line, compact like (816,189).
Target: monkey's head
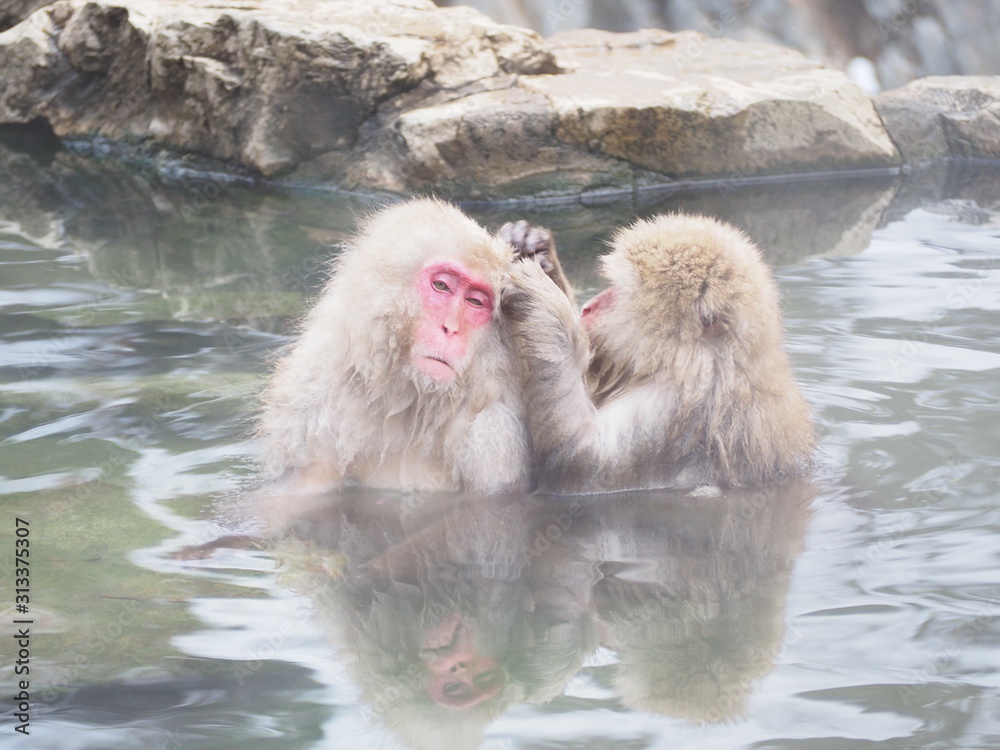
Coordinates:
(425,284)
(685,286)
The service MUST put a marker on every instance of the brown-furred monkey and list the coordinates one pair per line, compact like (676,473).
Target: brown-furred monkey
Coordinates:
(684,382)
(403,377)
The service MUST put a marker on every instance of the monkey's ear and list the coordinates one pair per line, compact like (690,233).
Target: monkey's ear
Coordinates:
(713,321)
(712,326)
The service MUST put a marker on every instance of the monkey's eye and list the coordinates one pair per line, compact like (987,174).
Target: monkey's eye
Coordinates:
(440,285)
(474,301)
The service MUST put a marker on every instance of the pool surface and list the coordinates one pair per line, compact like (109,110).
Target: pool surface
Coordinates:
(137,318)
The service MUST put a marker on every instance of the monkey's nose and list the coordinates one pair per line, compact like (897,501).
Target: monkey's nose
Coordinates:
(451,325)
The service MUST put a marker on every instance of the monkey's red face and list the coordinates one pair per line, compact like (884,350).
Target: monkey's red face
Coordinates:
(459,676)
(594,309)
(454,302)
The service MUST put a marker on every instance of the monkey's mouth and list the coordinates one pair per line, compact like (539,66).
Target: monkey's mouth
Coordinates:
(434,367)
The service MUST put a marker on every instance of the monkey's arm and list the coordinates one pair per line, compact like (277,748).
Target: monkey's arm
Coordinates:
(538,244)
(553,351)
(498,431)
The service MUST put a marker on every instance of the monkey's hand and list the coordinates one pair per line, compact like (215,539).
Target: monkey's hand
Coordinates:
(543,322)
(529,241)
(552,348)
(536,243)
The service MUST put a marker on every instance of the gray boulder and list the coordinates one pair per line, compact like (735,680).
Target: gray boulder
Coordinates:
(271,85)
(944,117)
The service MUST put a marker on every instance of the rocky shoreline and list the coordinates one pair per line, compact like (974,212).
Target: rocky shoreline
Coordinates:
(406,97)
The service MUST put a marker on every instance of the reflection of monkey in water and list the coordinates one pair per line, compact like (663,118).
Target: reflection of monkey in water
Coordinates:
(442,624)
(402,376)
(683,381)
(692,597)
(450,613)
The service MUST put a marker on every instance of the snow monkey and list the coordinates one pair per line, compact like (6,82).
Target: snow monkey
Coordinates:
(675,376)
(403,376)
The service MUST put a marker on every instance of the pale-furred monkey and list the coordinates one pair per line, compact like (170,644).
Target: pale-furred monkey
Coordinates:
(403,377)
(675,376)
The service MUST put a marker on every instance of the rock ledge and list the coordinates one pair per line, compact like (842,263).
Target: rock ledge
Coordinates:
(403,96)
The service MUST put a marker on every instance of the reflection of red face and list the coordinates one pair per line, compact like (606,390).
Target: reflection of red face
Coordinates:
(458,676)
(596,307)
(454,302)
(462,680)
